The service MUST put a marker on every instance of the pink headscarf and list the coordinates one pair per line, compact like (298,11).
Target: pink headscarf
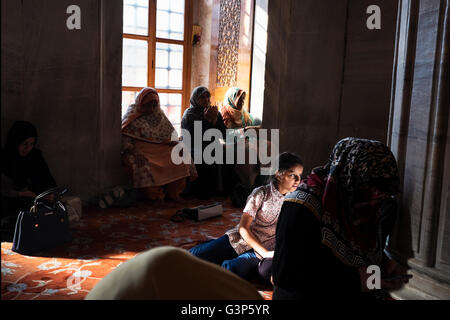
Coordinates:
(134,111)
(156,126)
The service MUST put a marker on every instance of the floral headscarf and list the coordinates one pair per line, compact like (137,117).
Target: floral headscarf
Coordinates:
(233,117)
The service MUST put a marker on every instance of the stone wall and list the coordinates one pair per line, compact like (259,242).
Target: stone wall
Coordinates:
(327,75)
(68,83)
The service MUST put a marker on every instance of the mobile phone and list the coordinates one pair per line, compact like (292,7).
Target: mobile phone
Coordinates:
(400,277)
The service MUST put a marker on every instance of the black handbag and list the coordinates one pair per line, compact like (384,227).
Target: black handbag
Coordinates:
(45,226)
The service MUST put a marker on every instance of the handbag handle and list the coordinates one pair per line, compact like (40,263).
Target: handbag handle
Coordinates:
(58,190)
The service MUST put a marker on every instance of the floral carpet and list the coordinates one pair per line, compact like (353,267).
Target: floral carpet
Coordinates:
(102,240)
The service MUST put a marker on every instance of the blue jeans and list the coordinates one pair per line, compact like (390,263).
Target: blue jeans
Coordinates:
(220,251)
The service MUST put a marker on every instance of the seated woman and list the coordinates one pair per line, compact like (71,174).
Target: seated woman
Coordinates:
(241,249)
(336,224)
(25,173)
(238,121)
(202,112)
(233,113)
(147,147)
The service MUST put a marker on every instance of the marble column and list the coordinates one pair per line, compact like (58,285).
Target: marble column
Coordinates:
(419,138)
(201,52)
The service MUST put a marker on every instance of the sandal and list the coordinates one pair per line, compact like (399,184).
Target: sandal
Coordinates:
(118,192)
(105,201)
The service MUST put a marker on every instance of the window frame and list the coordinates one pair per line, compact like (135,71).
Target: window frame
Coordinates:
(151,42)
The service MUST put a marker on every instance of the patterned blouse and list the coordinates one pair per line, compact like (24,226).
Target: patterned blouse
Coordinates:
(264,205)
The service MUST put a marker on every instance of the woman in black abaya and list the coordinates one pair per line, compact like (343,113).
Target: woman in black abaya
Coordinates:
(25,173)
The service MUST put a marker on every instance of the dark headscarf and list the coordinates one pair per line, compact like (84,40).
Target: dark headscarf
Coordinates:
(354,235)
(196,113)
(19,132)
(30,171)
(196,93)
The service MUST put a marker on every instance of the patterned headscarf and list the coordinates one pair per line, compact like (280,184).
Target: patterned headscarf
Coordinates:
(233,117)
(153,127)
(331,192)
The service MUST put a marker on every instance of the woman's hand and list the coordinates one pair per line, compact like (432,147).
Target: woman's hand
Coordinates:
(172,143)
(252,127)
(27,194)
(392,268)
(211,114)
(247,235)
(267,254)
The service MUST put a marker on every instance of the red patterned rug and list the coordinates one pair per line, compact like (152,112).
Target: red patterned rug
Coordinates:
(102,240)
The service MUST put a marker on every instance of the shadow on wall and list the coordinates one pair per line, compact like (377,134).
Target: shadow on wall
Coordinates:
(70,92)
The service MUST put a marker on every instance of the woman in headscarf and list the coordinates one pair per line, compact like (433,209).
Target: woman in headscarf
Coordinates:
(233,113)
(336,225)
(238,121)
(25,173)
(147,148)
(202,112)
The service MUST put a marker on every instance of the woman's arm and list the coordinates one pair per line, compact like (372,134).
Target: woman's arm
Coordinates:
(247,235)
(9,192)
